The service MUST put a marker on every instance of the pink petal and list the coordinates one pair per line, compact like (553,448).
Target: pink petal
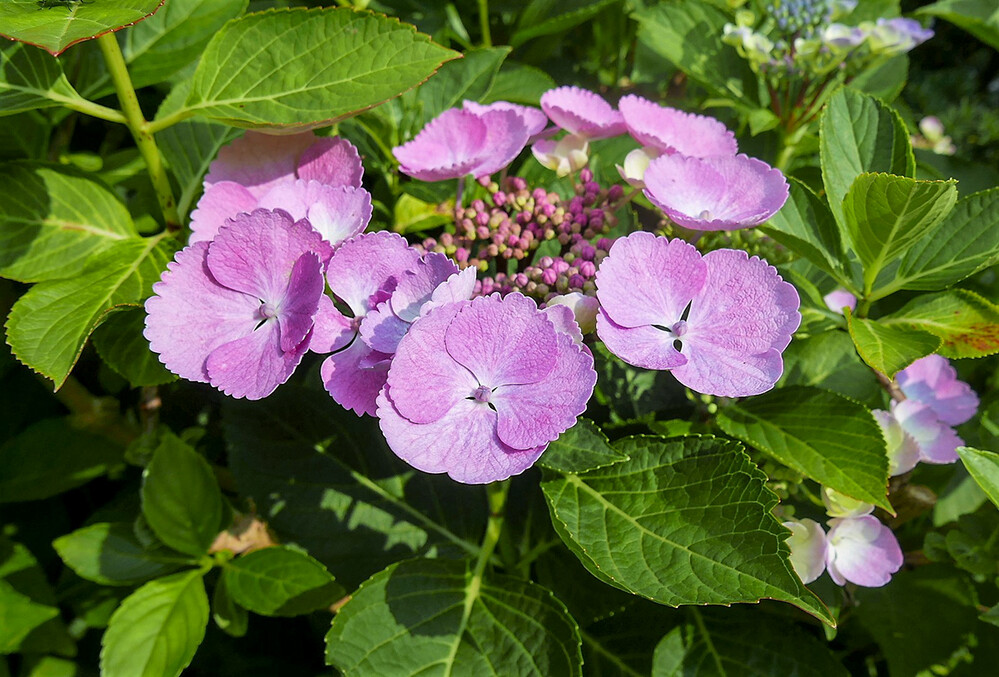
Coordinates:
(808,549)
(646,347)
(449,147)
(255,253)
(933,381)
(838,299)
(368,264)
(220,202)
(462,443)
(564,320)
(582,113)
(863,551)
(332,329)
(715,193)
(417,285)
(533,118)
(713,370)
(253,366)
(333,161)
(421,359)
(669,130)
(648,280)
(903,450)
(382,330)
(190,314)
(506,136)
(259,161)
(350,383)
(937,441)
(297,311)
(458,287)
(502,341)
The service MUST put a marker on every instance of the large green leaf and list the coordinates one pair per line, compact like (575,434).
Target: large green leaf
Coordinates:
(298,69)
(688,34)
(19,615)
(582,447)
(885,214)
(181,499)
(55,25)
(280,581)
(29,615)
(829,361)
(48,326)
(825,436)
(967,324)
(53,218)
(120,343)
(519,83)
(545,17)
(978,17)
(966,241)
(30,79)
(984,467)
(887,348)
(433,617)
(157,629)
(53,456)
(109,554)
(685,520)
(467,78)
(859,134)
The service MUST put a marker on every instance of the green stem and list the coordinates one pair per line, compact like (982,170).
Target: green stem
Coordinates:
(487,39)
(95,110)
(155,126)
(789,141)
(863,307)
(496,494)
(140,128)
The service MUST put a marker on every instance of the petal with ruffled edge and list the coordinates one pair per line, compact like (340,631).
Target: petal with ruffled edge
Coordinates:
(458,287)
(506,136)
(333,161)
(254,366)
(863,551)
(937,441)
(649,280)
(535,414)
(463,443)
(332,330)
(335,212)
(422,359)
(669,130)
(353,379)
(449,147)
(646,347)
(808,549)
(220,202)
(296,312)
(582,113)
(565,320)
(533,118)
(259,161)
(367,264)
(502,341)
(190,314)
(715,193)
(933,381)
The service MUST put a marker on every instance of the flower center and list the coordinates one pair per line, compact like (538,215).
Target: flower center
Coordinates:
(267,311)
(481,394)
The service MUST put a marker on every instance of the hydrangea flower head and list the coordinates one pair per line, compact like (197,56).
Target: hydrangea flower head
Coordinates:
(459,142)
(582,113)
(505,382)
(862,550)
(932,381)
(715,193)
(238,312)
(718,322)
(808,548)
(249,169)
(669,130)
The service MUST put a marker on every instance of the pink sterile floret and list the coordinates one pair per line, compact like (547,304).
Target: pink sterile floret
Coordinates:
(937,441)
(808,548)
(933,381)
(363,272)
(715,193)
(717,322)
(285,172)
(535,121)
(477,389)
(238,312)
(669,130)
(582,113)
(861,550)
(460,142)
(903,450)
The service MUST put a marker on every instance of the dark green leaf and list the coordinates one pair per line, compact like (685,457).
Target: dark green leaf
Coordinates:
(580,448)
(120,343)
(30,79)
(231,618)
(29,617)
(889,349)
(967,324)
(467,78)
(829,361)
(545,17)
(519,83)
(978,17)
(19,615)
(433,616)
(280,581)
(984,467)
(110,554)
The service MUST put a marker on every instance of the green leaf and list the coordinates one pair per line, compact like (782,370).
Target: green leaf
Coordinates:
(743,643)
(48,326)
(467,78)
(978,17)
(967,324)
(685,520)
(53,456)
(860,134)
(157,629)
(299,69)
(966,241)
(109,554)
(688,34)
(884,215)
(55,25)
(984,467)
(231,618)
(53,218)
(19,615)
(29,617)
(889,349)
(279,581)
(120,343)
(519,83)
(580,448)
(434,617)
(825,436)
(545,17)
(829,361)
(413,215)
(181,499)
(30,80)
(806,226)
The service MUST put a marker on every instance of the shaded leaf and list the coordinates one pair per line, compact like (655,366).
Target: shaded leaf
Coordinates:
(545,17)
(280,581)
(887,348)
(109,554)
(231,618)
(978,17)
(829,361)
(467,78)
(984,467)
(120,343)
(580,448)
(30,79)
(519,83)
